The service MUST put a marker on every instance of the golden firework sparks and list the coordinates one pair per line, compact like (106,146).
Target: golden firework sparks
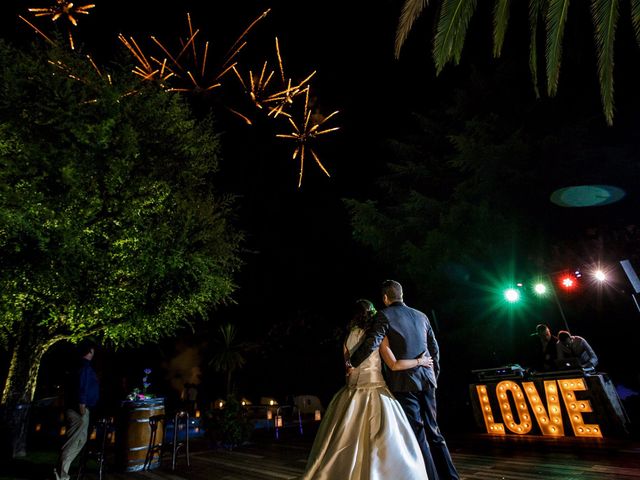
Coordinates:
(60,65)
(235,48)
(60,9)
(83,78)
(98,71)
(256,86)
(67,70)
(304,131)
(64,9)
(197,63)
(284,98)
(145,69)
(36,29)
(186,67)
(246,119)
(150,67)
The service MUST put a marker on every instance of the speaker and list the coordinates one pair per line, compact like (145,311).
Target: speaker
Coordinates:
(631,275)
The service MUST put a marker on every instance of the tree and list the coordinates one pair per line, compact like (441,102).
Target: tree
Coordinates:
(228,354)
(455,15)
(109,223)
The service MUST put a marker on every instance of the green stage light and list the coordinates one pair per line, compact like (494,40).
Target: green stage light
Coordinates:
(512,295)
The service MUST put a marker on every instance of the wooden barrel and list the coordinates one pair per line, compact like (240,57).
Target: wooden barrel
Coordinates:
(135,433)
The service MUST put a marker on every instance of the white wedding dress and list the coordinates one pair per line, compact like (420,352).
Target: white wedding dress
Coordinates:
(365,434)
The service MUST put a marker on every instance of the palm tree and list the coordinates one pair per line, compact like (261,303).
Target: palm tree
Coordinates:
(453,21)
(229,354)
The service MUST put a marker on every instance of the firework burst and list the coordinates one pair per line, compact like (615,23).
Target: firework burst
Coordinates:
(264,95)
(304,131)
(256,86)
(185,68)
(146,68)
(61,9)
(284,98)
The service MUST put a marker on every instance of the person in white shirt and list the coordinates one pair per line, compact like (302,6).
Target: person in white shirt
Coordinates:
(574,346)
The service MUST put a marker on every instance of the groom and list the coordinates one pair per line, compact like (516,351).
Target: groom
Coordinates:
(410,335)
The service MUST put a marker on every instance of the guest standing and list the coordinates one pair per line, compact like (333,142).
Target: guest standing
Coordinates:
(81,395)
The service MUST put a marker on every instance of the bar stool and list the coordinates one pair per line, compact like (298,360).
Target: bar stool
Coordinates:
(96,448)
(180,421)
(155,444)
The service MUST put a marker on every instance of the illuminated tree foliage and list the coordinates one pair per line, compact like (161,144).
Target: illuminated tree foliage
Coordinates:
(109,223)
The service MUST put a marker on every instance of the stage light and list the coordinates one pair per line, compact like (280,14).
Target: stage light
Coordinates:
(568,282)
(512,295)
(600,275)
(540,288)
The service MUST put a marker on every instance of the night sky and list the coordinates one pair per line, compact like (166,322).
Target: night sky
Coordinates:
(303,268)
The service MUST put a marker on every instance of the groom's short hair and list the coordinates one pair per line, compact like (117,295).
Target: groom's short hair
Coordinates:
(392,289)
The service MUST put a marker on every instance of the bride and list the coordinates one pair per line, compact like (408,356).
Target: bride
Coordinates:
(365,434)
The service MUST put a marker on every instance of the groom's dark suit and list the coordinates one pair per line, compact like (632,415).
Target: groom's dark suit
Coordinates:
(410,334)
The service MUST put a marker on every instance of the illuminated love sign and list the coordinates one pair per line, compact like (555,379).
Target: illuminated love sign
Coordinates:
(530,406)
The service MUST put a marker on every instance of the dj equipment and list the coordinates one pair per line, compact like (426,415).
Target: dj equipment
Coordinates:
(578,372)
(512,371)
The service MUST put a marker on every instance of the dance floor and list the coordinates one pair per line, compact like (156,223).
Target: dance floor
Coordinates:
(477,458)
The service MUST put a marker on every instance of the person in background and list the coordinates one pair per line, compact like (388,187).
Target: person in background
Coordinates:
(81,395)
(189,397)
(573,346)
(549,347)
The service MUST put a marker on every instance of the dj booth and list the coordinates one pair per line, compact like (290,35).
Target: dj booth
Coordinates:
(572,403)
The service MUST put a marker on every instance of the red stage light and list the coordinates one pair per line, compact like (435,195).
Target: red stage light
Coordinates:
(568,282)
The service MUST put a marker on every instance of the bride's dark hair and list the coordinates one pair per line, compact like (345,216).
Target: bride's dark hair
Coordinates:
(363,313)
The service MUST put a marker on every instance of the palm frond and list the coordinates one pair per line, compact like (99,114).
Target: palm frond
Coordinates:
(411,10)
(605,14)
(556,20)
(500,21)
(451,31)
(535,11)
(635,18)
